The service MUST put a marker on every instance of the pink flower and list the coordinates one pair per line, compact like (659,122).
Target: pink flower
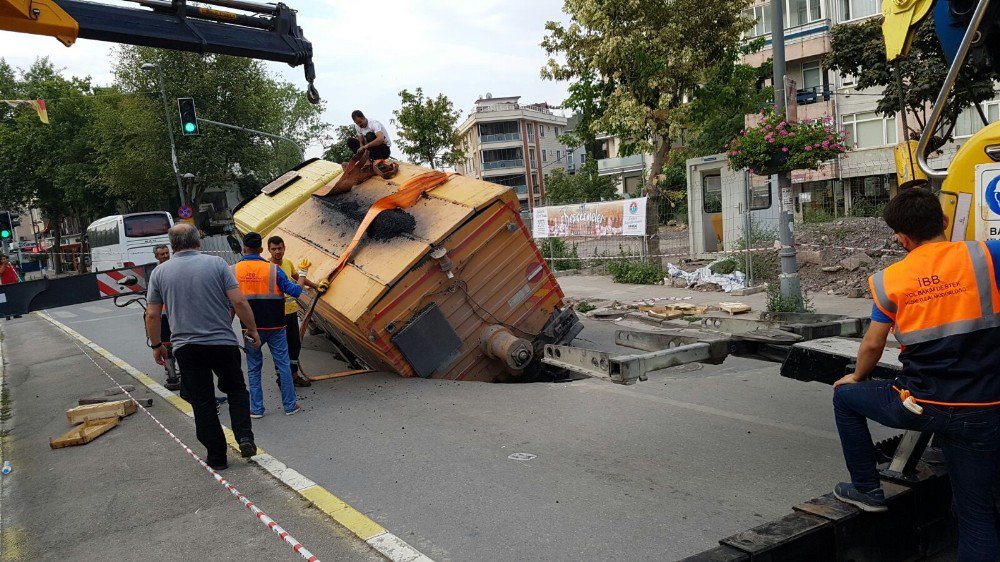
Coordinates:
(784,133)
(807,148)
(784,149)
(826,144)
(816,146)
(782,124)
(791,135)
(770,141)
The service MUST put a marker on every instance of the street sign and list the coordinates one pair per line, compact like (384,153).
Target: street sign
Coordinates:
(988,195)
(185,212)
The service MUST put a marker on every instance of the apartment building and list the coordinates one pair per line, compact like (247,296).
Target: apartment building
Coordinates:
(514,145)
(866,176)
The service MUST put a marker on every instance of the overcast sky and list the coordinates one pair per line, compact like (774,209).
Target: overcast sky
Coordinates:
(366,52)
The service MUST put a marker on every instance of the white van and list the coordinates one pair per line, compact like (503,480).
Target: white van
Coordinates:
(127,240)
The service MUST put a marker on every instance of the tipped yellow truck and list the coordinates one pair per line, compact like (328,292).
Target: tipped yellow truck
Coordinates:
(452,287)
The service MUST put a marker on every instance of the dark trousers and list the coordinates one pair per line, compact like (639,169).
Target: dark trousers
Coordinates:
(969,438)
(294,342)
(198,362)
(379,152)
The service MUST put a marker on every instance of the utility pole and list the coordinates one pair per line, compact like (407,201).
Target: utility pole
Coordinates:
(791,290)
(301,149)
(170,128)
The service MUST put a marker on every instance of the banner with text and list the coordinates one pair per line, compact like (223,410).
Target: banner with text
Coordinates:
(610,218)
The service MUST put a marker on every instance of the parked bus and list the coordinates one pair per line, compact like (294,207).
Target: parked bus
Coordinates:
(127,240)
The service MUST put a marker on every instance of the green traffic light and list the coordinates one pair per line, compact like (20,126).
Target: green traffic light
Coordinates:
(4,234)
(189,127)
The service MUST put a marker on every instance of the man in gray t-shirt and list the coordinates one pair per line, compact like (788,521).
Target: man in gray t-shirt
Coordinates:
(198,290)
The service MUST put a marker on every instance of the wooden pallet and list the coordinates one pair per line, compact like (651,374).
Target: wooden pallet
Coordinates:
(84,433)
(672,311)
(116,409)
(734,307)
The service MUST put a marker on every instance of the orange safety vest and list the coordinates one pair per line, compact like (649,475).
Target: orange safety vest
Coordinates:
(945,307)
(259,283)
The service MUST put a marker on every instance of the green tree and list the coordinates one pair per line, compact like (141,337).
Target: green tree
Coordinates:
(717,112)
(427,128)
(859,50)
(231,90)
(338,150)
(50,167)
(640,58)
(582,187)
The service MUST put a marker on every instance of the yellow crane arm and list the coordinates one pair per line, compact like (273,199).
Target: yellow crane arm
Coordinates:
(38,17)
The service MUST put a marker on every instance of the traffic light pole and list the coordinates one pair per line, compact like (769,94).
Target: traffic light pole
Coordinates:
(302,152)
(170,133)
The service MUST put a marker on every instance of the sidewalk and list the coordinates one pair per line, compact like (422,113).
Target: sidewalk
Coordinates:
(132,493)
(602,288)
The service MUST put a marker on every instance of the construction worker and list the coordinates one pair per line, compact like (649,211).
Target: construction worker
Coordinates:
(265,286)
(941,302)
(276,247)
(371,136)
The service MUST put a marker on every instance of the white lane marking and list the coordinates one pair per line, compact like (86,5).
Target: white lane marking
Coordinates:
(62,313)
(775,424)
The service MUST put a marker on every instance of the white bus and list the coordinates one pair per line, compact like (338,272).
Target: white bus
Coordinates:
(127,240)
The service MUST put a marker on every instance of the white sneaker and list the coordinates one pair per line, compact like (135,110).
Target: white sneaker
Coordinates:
(294,410)
(256,416)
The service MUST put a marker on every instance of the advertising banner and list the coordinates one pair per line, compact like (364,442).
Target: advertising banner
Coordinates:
(610,218)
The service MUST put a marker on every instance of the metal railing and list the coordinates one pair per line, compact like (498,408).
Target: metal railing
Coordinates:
(499,137)
(620,164)
(499,164)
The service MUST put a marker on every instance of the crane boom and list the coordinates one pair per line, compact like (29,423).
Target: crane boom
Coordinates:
(271,33)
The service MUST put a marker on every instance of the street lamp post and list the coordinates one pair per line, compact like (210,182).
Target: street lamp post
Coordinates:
(147,67)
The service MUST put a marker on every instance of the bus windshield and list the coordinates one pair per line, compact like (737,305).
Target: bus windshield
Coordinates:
(153,224)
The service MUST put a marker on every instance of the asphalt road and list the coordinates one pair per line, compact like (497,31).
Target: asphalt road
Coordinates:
(655,471)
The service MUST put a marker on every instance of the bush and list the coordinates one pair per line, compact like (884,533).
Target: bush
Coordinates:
(554,250)
(765,265)
(812,216)
(776,302)
(865,208)
(584,307)
(724,267)
(635,272)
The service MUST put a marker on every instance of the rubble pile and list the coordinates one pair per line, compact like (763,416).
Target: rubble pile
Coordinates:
(837,257)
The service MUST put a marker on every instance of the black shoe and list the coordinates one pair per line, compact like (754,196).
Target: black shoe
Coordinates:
(247,448)
(300,380)
(172,384)
(222,465)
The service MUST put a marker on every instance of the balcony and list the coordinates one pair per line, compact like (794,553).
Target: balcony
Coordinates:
(503,164)
(501,137)
(627,164)
(521,190)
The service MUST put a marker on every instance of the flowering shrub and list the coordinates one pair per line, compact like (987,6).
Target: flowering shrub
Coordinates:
(776,145)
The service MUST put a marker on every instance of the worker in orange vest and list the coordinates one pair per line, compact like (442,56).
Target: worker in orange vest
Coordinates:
(942,304)
(265,286)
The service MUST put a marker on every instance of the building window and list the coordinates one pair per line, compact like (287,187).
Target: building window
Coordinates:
(760,197)
(857,9)
(583,158)
(544,155)
(531,131)
(558,155)
(847,80)
(541,131)
(762,16)
(531,157)
(801,12)
(812,76)
(969,122)
(868,130)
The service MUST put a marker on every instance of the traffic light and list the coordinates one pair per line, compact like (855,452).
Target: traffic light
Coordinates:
(189,118)
(6,228)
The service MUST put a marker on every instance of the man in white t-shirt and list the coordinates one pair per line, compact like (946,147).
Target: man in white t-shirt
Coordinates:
(371,135)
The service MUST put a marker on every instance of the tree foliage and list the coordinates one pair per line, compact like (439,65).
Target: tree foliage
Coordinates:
(859,50)
(585,186)
(717,112)
(427,128)
(338,151)
(639,58)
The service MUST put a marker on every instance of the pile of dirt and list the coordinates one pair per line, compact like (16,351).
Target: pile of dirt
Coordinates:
(386,226)
(837,257)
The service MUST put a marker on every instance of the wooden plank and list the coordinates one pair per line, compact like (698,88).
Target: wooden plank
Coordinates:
(84,433)
(97,400)
(734,307)
(117,409)
(341,374)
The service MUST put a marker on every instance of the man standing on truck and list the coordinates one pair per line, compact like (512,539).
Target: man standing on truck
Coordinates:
(371,136)
(265,286)
(276,247)
(943,304)
(200,291)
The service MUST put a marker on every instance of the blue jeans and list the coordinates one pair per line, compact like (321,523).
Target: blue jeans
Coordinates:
(276,342)
(969,438)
